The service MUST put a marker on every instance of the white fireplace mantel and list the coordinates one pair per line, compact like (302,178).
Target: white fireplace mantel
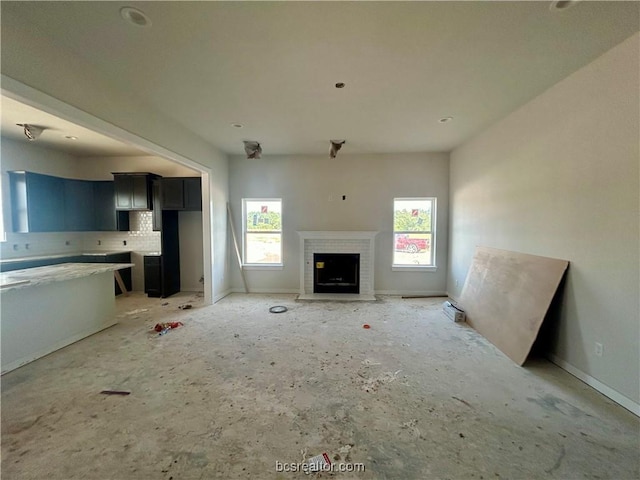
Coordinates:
(331,241)
(332,234)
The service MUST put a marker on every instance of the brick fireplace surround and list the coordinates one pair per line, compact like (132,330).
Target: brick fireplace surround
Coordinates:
(337,242)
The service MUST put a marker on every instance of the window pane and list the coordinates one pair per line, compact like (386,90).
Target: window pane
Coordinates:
(263,216)
(412,216)
(263,248)
(412,249)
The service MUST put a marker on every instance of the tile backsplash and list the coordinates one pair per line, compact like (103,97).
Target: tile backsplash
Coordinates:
(140,238)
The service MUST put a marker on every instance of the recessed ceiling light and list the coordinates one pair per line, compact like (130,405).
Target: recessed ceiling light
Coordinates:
(445,119)
(135,17)
(237,125)
(562,4)
(70,137)
(340,85)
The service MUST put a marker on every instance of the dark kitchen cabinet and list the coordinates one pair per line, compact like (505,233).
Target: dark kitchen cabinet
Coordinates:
(44,203)
(162,272)
(157,203)
(172,194)
(133,191)
(193,193)
(153,275)
(79,206)
(107,218)
(37,202)
(182,193)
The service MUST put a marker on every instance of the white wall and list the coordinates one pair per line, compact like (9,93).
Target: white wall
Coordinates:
(370,183)
(559,178)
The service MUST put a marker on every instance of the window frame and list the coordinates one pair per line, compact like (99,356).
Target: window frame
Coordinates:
(410,267)
(261,266)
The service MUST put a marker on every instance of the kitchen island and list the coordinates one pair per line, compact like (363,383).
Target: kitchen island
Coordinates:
(43,309)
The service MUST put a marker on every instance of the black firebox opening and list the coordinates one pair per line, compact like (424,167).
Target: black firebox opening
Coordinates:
(336,273)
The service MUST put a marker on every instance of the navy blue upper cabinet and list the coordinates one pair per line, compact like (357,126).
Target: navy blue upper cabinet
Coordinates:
(43,203)
(181,193)
(107,219)
(37,202)
(133,191)
(79,206)
(192,193)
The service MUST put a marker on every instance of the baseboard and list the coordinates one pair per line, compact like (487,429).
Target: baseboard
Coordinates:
(617,397)
(410,293)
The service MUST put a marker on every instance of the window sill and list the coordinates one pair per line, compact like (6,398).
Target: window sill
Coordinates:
(411,268)
(254,266)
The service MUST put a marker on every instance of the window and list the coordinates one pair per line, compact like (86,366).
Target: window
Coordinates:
(414,232)
(262,228)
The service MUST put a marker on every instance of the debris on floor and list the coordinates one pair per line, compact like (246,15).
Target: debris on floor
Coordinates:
(453,312)
(163,328)
(115,392)
(185,307)
(319,463)
(366,326)
(164,304)
(137,310)
(278,309)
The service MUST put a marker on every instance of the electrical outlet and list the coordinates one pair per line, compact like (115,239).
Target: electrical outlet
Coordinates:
(599,349)
(331,198)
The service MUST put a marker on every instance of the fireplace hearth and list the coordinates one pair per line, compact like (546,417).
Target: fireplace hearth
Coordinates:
(336,273)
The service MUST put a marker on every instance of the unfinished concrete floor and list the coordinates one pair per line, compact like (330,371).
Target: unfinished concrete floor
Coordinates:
(238,389)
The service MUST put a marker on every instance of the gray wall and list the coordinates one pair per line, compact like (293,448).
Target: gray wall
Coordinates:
(370,183)
(559,178)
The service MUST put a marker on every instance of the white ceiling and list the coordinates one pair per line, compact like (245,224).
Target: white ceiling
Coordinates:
(272,66)
(86,143)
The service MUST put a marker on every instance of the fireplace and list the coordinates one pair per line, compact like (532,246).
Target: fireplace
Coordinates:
(335,242)
(336,273)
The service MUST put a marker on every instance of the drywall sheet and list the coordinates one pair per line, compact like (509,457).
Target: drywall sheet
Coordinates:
(506,296)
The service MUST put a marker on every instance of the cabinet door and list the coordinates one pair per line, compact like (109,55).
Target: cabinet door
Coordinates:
(105,206)
(45,203)
(157,205)
(78,206)
(140,192)
(192,193)
(124,189)
(152,276)
(172,194)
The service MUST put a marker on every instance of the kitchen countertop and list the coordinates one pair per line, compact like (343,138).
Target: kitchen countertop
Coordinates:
(62,255)
(30,277)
